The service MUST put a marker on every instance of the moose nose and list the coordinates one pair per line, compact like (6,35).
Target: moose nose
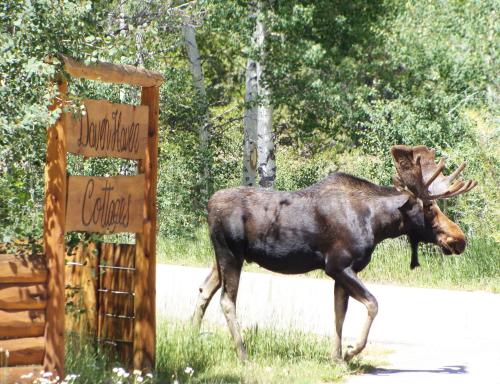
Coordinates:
(456,244)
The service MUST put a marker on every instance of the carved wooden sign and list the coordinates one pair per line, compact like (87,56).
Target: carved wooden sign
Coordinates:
(107,129)
(105,204)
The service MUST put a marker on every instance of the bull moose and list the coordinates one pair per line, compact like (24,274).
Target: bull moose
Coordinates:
(333,225)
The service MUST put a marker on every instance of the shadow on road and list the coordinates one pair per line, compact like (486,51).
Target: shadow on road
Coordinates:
(450,369)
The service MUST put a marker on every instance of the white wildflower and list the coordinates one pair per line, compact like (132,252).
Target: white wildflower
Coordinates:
(150,375)
(140,379)
(120,372)
(137,372)
(189,371)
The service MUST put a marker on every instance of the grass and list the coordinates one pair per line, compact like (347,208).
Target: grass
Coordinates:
(274,356)
(478,268)
(186,356)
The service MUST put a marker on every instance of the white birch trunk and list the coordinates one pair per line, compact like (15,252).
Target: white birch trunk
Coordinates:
(265,145)
(250,126)
(199,83)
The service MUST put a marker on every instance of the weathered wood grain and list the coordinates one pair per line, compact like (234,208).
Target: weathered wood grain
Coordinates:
(25,323)
(117,255)
(23,296)
(118,303)
(112,73)
(24,351)
(107,130)
(81,289)
(53,239)
(23,269)
(116,328)
(145,263)
(105,204)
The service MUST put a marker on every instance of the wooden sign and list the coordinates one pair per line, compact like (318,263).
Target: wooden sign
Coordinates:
(105,204)
(107,129)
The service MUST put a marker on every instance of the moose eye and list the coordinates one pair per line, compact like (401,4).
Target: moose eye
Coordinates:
(428,207)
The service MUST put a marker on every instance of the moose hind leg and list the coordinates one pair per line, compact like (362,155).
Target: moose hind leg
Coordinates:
(211,284)
(341,302)
(357,290)
(230,280)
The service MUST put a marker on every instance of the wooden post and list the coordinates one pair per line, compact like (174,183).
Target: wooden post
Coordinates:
(53,236)
(145,263)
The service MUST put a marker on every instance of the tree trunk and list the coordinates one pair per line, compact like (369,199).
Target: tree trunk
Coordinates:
(250,119)
(198,81)
(265,145)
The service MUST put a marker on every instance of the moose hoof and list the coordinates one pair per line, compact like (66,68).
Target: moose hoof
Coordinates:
(336,358)
(350,353)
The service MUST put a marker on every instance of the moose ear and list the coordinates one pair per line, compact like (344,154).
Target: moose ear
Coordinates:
(399,200)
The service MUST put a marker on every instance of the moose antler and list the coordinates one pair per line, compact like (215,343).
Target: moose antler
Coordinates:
(418,171)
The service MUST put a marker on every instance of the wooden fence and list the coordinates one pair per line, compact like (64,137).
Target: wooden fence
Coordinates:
(23,300)
(100,292)
(121,301)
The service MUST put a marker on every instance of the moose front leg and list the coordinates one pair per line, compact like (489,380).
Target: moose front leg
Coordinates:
(356,289)
(341,302)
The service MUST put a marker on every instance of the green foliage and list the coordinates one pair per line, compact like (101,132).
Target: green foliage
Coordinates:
(29,33)
(348,80)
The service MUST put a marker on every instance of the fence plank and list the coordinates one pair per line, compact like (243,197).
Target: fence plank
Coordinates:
(24,351)
(145,263)
(23,296)
(81,289)
(117,279)
(116,328)
(53,236)
(22,323)
(23,269)
(116,303)
(21,375)
(117,255)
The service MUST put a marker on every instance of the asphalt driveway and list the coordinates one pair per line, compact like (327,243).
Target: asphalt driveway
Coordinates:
(430,335)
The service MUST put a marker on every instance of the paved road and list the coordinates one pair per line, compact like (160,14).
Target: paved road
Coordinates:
(435,336)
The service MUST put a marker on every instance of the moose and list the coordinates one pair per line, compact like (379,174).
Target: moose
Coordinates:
(334,226)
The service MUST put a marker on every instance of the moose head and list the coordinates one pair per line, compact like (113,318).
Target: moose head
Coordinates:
(422,178)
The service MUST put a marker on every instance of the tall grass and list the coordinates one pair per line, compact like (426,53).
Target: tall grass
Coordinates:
(274,356)
(478,268)
(83,358)
(195,249)
(184,355)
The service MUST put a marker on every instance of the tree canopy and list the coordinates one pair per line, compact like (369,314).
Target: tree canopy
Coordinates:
(347,80)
